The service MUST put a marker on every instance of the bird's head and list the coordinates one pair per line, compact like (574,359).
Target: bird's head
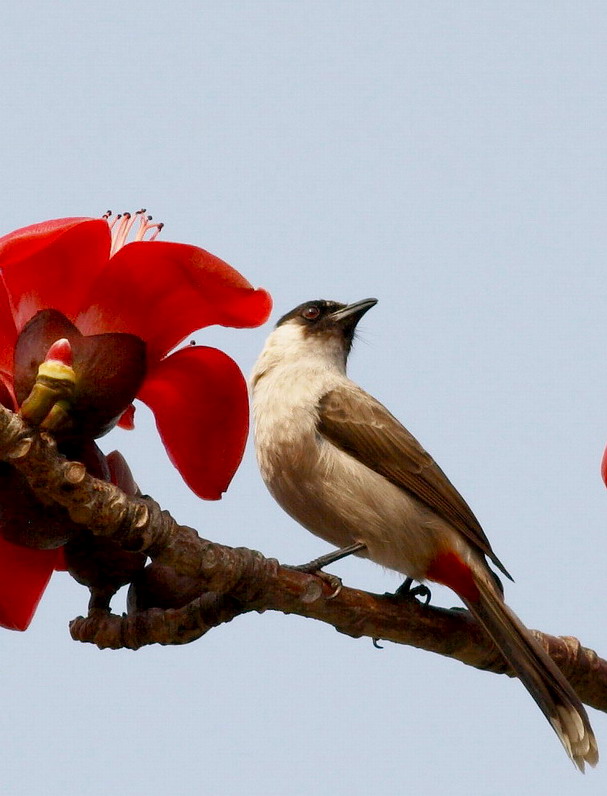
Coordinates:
(324,320)
(317,332)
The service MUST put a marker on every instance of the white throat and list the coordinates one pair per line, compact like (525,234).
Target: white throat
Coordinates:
(290,348)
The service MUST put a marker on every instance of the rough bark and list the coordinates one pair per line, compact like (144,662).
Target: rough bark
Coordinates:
(193,585)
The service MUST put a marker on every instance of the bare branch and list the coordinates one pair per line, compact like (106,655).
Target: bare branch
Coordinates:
(194,585)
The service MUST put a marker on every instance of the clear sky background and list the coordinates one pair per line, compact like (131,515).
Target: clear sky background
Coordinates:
(446,157)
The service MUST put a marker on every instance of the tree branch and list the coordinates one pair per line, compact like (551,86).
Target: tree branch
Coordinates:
(194,585)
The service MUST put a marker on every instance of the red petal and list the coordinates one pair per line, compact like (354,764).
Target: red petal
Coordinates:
(53,265)
(8,331)
(7,395)
(199,398)
(127,419)
(24,575)
(25,241)
(604,467)
(164,291)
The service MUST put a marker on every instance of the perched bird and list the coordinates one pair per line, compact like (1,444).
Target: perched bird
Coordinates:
(340,464)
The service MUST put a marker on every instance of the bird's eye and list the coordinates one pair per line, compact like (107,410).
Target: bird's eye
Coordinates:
(310,313)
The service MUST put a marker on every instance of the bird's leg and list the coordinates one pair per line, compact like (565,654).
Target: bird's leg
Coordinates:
(316,566)
(330,558)
(406,592)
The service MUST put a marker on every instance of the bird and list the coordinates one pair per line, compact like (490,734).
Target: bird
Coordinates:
(340,464)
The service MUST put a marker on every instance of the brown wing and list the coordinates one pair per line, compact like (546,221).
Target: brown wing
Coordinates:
(362,427)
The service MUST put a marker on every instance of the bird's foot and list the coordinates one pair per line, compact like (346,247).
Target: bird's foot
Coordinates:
(405,592)
(332,581)
(316,566)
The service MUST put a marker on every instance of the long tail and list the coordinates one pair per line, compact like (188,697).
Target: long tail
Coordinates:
(537,671)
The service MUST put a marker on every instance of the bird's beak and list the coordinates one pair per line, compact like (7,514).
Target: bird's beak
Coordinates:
(349,316)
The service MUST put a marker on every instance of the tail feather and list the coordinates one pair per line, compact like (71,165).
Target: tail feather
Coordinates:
(537,671)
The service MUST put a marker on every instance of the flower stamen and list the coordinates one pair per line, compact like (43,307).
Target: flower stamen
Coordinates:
(122,224)
(145,225)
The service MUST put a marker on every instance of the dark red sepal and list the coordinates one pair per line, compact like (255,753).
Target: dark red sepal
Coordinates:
(109,370)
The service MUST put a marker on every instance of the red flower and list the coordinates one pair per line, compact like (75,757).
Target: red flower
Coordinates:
(123,308)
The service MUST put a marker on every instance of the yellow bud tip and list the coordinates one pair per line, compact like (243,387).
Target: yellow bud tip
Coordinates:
(53,369)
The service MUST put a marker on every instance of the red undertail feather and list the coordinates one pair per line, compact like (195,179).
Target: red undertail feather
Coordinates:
(449,569)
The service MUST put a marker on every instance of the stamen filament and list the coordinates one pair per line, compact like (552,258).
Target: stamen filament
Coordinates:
(122,224)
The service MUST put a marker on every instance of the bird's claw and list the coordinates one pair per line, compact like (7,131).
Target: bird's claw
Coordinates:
(315,567)
(332,581)
(405,592)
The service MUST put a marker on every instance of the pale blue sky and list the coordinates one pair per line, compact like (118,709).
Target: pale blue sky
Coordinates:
(446,157)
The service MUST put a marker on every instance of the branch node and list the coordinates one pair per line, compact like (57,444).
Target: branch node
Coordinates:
(313,591)
(74,472)
(19,448)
